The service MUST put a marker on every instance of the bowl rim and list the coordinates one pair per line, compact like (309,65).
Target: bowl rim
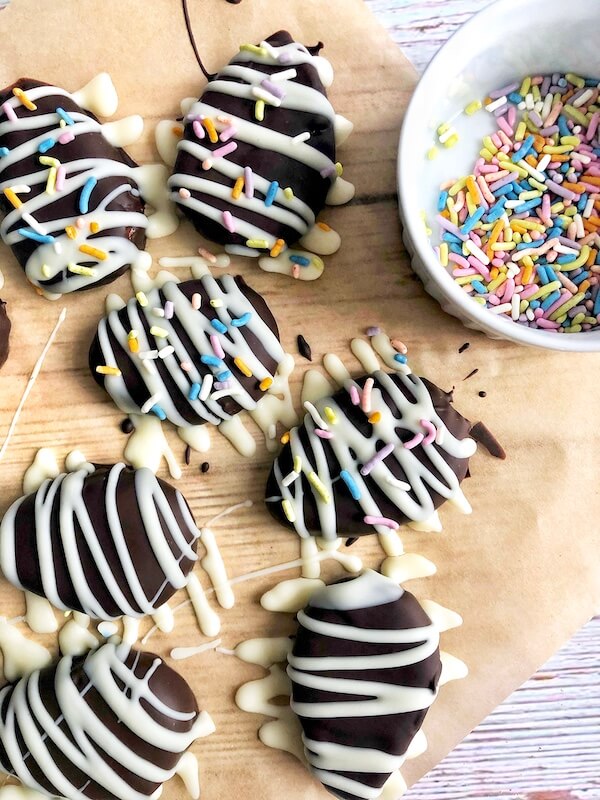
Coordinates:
(480,316)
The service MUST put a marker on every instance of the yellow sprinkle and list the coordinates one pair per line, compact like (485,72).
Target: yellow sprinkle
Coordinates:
(277,248)
(520,133)
(297,464)
(473,107)
(46,271)
(485,153)
(71,231)
(579,261)
(259,110)
(319,486)
(432,153)
(535,91)
(489,145)
(101,255)
(133,342)
(493,285)
(76,269)
(444,254)
(257,244)
(559,149)
(159,332)
(339,169)
(471,206)
(48,161)
(104,370)
(525,87)
(528,262)
(211,130)
(453,140)
(142,299)
(456,187)
(237,188)
(252,48)
(544,290)
(443,128)
(12,198)
(503,246)
(330,415)
(575,80)
(265,384)
(51,182)
(530,195)
(285,438)
(574,140)
(216,302)
(288,193)
(574,301)
(375,418)
(288,510)
(29,105)
(243,367)
(94,227)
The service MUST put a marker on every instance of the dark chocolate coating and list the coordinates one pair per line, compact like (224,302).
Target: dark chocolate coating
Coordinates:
(95,495)
(388,733)
(167,687)
(350,515)
(307,183)
(131,374)
(4,332)
(66,205)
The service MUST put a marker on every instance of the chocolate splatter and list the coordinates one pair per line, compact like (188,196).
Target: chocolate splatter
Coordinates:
(482,393)
(127,426)
(304,348)
(482,434)
(464,347)
(188,455)
(204,467)
(470,375)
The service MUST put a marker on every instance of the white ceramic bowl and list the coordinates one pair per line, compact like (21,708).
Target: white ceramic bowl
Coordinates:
(501,44)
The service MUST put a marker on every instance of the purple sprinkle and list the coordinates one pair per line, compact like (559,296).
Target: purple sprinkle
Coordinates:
(284,58)
(500,112)
(273,88)
(373,330)
(536,119)
(498,93)
(549,131)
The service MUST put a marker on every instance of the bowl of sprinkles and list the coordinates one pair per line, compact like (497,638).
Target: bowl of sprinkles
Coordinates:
(499,174)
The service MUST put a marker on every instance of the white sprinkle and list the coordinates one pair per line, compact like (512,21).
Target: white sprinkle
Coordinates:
(582,99)
(535,173)
(530,315)
(290,478)
(284,75)
(503,308)
(151,401)
(529,102)
(317,418)
(495,104)
(166,351)
(544,161)
(477,252)
(148,354)
(515,306)
(301,137)
(447,134)
(267,97)
(207,383)
(33,223)
(159,312)
(58,248)
(149,367)
(196,301)
(589,207)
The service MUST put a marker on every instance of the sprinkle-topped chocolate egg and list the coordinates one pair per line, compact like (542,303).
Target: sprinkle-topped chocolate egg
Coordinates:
(106,541)
(4,332)
(387,449)
(192,352)
(364,668)
(70,195)
(113,724)
(257,161)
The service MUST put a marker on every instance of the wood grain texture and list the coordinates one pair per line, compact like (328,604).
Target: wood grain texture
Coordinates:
(543,742)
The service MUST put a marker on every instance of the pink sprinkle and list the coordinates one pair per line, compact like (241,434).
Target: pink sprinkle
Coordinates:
(198,129)
(504,138)
(324,434)
(296,271)
(462,273)
(379,456)
(228,221)
(460,260)
(387,523)
(494,300)
(430,430)
(9,111)
(80,222)
(496,140)
(488,168)
(225,150)
(66,137)
(185,193)
(248,182)
(504,126)
(186,366)
(196,301)
(547,323)
(512,116)
(366,395)
(481,268)
(509,290)
(526,293)
(399,346)
(210,257)
(354,395)
(60,178)
(216,346)
(207,164)
(412,443)
(169,309)
(228,133)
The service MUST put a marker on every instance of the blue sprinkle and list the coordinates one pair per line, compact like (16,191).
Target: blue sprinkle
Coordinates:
(523,150)
(300,260)
(218,325)
(4,151)
(552,298)
(515,98)
(554,233)
(224,376)
(567,323)
(591,82)
(541,271)
(565,167)
(351,484)
(512,195)
(582,202)
(272,191)
(503,190)
(530,245)
(550,273)
(563,127)
(566,259)
(159,412)
(450,237)
(84,197)
(63,115)
(44,146)
(537,201)
(243,320)
(496,211)
(27,233)
(442,200)
(579,278)
(479,287)
(472,221)
(211,361)
(194,391)
(400,358)
(596,310)
(534,304)
(455,248)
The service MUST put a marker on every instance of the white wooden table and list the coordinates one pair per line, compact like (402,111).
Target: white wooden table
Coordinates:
(543,742)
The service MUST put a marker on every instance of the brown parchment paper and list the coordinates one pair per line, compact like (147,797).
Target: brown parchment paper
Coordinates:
(523,569)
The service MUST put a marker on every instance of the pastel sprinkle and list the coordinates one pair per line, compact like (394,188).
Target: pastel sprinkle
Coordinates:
(319,486)
(383,521)
(228,221)
(238,188)
(66,137)
(184,193)
(239,322)
(430,431)
(225,150)
(365,403)
(65,116)
(271,193)
(9,111)
(216,302)
(354,395)
(77,269)
(158,332)
(194,391)
(106,370)
(84,197)
(169,309)
(265,384)
(142,299)
(243,367)
(95,252)
(218,325)
(23,97)
(12,198)
(196,301)
(60,183)
(248,182)
(211,361)
(385,451)
(207,385)
(46,145)
(351,484)
(215,343)
(323,434)
(159,412)
(36,237)
(317,418)
(416,440)
(288,510)
(301,261)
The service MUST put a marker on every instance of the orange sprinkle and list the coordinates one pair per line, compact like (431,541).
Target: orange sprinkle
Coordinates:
(375,418)
(494,272)
(323,226)
(496,231)
(242,366)
(583,287)
(531,160)
(445,213)
(538,142)
(574,187)
(591,179)
(211,130)
(134,344)
(285,438)
(12,198)
(472,189)
(71,231)
(29,105)
(277,248)
(94,227)
(101,255)
(265,384)
(526,277)
(559,157)
(177,130)
(237,188)
(595,221)
(591,258)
